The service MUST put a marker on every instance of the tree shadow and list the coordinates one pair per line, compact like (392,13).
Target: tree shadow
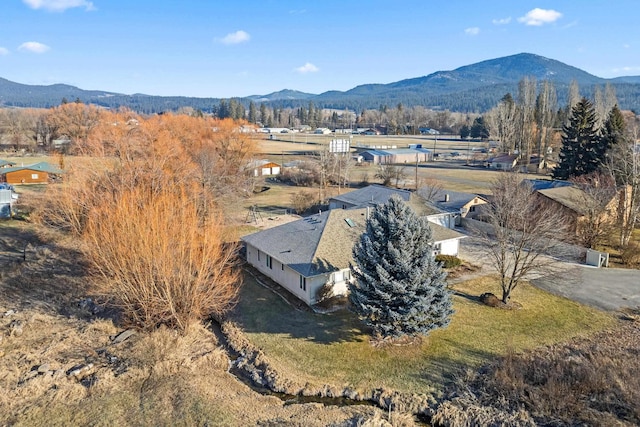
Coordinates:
(468,297)
(37,272)
(266,307)
(447,370)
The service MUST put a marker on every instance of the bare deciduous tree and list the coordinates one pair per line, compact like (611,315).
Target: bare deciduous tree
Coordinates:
(521,231)
(596,199)
(624,165)
(388,172)
(430,189)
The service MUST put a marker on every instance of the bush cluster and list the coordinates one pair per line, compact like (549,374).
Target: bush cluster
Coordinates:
(448,261)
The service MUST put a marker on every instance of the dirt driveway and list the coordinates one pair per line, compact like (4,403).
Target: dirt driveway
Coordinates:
(604,288)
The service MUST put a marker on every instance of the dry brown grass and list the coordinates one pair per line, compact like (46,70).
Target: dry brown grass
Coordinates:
(591,381)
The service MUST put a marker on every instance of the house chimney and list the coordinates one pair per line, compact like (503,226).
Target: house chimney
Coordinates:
(446,197)
(367,215)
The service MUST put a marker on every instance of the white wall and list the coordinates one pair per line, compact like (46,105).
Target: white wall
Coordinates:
(450,247)
(290,279)
(283,275)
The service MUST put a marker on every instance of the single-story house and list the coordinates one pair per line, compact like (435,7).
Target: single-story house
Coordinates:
(306,255)
(264,168)
(504,162)
(375,194)
(575,204)
(38,173)
(465,205)
(371,195)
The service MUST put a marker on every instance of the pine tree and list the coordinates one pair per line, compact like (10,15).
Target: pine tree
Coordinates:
(614,127)
(400,288)
(582,149)
(253,112)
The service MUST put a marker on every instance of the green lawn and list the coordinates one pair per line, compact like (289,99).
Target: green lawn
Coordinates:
(335,349)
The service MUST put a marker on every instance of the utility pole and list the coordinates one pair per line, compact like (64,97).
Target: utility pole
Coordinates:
(416,171)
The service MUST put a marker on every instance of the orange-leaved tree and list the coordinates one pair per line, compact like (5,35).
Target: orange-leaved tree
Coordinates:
(159,260)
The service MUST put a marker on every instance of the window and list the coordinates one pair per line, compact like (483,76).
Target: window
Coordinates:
(472,209)
(303,283)
(282,267)
(34,176)
(269,262)
(437,247)
(258,255)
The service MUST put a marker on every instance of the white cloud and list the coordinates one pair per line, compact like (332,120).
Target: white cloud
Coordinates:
(4,51)
(626,45)
(501,21)
(307,68)
(472,31)
(626,70)
(58,5)
(235,38)
(538,17)
(34,47)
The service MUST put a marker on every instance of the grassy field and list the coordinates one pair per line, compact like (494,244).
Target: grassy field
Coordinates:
(334,348)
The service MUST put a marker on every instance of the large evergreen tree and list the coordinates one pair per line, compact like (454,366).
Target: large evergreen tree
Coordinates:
(400,288)
(614,126)
(582,149)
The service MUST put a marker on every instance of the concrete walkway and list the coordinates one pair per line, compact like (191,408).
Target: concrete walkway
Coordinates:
(604,288)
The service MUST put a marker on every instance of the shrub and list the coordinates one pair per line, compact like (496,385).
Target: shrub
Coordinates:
(630,254)
(160,259)
(448,261)
(302,201)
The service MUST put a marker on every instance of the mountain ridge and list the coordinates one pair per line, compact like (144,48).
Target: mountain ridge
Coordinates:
(473,87)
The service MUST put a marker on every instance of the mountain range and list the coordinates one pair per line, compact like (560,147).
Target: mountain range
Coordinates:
(471,88)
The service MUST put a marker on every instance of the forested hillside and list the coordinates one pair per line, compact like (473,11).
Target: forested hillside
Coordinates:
(472,88)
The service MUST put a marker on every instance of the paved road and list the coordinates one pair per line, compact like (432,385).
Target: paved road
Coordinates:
(604,288)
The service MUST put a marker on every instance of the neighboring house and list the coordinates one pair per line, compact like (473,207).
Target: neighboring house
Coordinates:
(264,168)
(38,173)
(371,195)
(6,164)
(322,131)
(466,205)
(375,194)
(504,162)
(305,255)
(573,201)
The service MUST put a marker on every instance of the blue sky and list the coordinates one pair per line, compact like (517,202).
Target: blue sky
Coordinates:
(215,48)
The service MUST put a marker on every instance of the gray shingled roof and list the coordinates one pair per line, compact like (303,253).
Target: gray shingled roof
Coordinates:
(322,243)
(312,245)
(372,195)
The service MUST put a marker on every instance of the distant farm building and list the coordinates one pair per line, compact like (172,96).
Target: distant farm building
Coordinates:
(38,173)
(398,155)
